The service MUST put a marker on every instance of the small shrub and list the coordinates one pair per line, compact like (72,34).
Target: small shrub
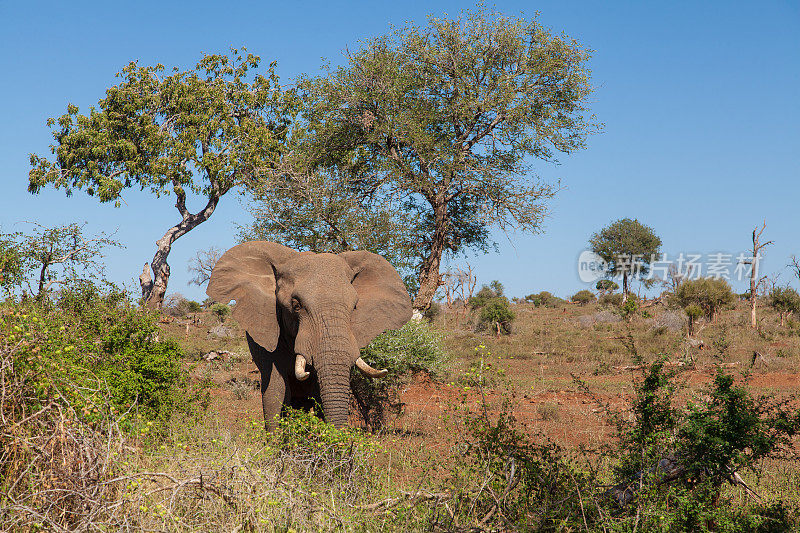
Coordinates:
(497,316)
(611,300)
(548,411)
(709,294)
(785,301)
(605,286)
(676,460)
(583,297)
(412,349)
(483,296)
(629,309)
(221,311)
(669,320)
(544,299)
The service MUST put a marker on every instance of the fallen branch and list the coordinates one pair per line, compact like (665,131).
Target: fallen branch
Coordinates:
(623,368)
(414,497)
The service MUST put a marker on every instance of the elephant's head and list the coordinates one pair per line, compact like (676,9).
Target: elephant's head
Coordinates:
(325,306)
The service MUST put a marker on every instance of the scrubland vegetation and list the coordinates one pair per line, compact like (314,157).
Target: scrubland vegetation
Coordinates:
(596,411)
(577,421)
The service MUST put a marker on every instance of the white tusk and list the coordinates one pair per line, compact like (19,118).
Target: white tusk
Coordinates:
(300,368)
(368,370)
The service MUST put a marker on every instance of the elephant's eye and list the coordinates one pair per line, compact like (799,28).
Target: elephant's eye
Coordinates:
(296,304)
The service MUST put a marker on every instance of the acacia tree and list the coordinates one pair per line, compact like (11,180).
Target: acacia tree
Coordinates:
(627,246)
(446,120)
(203,131)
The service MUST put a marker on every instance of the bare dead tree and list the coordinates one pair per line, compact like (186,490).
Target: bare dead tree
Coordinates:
(755,281)
(794,264)
(448,283)
(465,282)
(202,264)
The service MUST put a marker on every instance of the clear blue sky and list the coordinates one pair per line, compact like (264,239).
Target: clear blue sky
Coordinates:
(699,100)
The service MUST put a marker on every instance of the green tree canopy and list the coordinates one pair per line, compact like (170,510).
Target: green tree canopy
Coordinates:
(321,212)
(52,256)
(12,265)
(442,122)
(606,286)
(628,247)
(203,131)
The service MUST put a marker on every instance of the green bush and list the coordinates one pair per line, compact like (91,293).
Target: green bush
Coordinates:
(675,461)
(496,315)
(412,349)
(611,300)
(606,286)
(486,293)
(709,294)
(497,288)
(785,301)
(629,309)
(94,342)
(221,311)
(544,299)
(583,297)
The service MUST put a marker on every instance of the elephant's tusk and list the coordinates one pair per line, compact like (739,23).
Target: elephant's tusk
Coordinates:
(300,368)
(368,370)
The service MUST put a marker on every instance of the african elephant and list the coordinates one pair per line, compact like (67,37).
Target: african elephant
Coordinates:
(306,315)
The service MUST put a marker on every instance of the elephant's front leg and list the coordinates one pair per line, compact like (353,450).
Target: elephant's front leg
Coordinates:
(275,391)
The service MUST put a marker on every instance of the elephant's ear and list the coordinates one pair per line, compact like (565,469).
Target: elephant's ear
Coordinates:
(245,273)
(383,301)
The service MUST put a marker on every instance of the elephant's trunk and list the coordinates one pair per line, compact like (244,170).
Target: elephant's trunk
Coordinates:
(335,353)
(334,385)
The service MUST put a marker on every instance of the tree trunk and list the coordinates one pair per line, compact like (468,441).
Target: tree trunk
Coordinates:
(757,246)
(42,277)
(430,278)
(155,287)
(753,295)
(624,286)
